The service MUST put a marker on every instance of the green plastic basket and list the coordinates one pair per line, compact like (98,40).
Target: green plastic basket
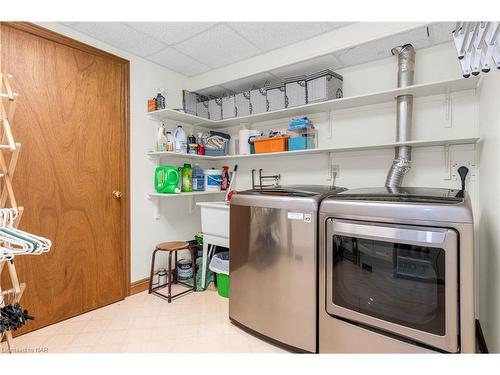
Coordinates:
(223,285)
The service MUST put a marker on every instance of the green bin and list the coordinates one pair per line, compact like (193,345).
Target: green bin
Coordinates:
(223,285)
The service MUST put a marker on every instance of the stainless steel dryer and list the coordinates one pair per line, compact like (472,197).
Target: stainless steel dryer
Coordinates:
(273,267)
(396,270)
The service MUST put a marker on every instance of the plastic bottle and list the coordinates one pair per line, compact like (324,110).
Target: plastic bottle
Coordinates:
(225,178)
(187,178)
(161,140)
(180,140)
(198,178)
(170,142)
(160,101)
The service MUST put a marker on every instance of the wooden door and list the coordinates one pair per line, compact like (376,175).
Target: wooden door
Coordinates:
(72,122)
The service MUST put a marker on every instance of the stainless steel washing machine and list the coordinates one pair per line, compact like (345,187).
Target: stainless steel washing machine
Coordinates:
(396,271)
(273,267)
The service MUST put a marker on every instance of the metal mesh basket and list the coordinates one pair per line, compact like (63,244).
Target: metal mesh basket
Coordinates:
(324,85)
(296,91)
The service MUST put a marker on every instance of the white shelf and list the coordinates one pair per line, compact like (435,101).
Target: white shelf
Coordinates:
(164,195)
(424,143)
(425,89)
(157,154)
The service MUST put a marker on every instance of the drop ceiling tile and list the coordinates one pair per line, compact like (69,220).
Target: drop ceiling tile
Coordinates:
(176,61)
(271,35)
(218,46)
(121,36)
(380,49)
(307,67)
(171,32)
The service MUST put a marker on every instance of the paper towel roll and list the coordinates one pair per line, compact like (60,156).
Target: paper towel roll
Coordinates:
(244,147)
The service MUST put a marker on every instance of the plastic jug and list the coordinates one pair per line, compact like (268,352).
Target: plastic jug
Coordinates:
(213,179)
(198,178)
(161,139)
(180,140)
(187,176)
(167,179)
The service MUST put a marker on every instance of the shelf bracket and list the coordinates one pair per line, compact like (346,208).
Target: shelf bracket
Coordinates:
(447,162)
(448,104)
(156,206)
(330,124)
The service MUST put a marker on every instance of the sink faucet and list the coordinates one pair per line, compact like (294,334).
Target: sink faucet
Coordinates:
(275,178)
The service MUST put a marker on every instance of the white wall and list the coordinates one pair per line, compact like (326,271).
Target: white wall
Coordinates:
(489,210)
(176,222)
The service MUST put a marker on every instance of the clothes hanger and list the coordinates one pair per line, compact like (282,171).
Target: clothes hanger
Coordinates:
(26,243)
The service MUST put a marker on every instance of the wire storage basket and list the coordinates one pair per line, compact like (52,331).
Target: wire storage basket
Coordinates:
(202,109)
(276,97)
(228,107)
(242,104)
(258,100)
(215,109)
(324,85)
(296,91)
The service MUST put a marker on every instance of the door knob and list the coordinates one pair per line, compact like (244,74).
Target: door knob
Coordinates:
(117,194)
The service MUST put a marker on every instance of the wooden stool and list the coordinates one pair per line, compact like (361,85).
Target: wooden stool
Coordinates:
(172,247)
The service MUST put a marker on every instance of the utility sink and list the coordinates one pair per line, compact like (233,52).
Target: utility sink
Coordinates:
(215,220)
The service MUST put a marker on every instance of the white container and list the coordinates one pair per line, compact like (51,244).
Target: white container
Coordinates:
(242,103)
(276,97)
(228,107)
(258,100)
(295,91)
(180,138)
(324,85)
(215,109)
(213,179)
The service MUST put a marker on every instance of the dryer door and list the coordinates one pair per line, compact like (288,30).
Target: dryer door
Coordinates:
(399,279)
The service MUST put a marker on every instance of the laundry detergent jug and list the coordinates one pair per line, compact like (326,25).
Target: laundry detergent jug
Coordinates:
(167,179)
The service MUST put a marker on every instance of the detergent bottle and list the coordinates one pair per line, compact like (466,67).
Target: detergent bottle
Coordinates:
(187,178)
(167,179)
(198,178)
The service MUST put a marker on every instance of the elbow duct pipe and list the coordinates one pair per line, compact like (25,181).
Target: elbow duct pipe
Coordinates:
(404,117)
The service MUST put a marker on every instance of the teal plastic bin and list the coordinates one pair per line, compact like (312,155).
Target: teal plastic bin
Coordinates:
(303,142)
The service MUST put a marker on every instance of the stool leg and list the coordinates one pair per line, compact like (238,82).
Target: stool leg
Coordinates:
(193,267)
(175,268)
(152,272)
(169,297)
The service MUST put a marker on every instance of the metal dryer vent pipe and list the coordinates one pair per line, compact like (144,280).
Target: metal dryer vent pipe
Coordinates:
(402,159)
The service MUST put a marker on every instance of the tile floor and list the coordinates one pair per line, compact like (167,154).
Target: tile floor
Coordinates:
(195,323)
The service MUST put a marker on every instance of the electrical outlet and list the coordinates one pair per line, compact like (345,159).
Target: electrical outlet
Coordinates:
(466,163)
